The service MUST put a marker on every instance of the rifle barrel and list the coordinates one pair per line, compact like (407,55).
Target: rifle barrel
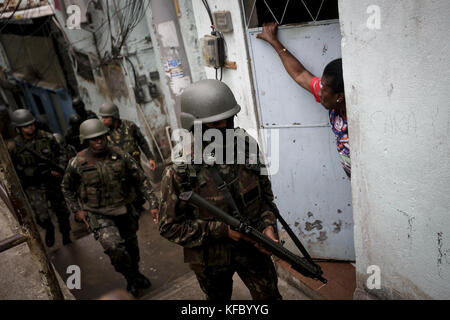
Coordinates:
(298,263)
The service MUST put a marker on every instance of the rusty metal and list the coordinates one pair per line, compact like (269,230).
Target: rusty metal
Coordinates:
(23,209)
(12,242)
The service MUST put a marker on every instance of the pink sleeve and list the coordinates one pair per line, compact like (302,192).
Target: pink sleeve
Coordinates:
(316,84)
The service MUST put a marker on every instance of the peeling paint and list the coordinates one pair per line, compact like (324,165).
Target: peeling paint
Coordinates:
(316,225)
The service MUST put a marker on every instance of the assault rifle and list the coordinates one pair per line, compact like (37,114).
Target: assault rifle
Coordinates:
(302,265)
(53,165)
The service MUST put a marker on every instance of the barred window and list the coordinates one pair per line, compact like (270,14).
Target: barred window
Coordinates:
(286,12)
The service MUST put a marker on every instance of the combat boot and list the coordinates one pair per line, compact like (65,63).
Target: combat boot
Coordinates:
(142,281)
(132,286)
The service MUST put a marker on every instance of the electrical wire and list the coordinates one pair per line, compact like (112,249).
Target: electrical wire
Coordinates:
(12,15)
(208,9)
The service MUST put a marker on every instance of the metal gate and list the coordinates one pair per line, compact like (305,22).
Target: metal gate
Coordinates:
(312,190)
(54,104)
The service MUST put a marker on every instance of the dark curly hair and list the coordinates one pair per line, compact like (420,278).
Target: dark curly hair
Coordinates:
(333,73)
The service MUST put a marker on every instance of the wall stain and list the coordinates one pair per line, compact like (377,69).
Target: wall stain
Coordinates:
(337,226)
(440,254)
(410,222)
(323,236)
(316,225)
(390,90)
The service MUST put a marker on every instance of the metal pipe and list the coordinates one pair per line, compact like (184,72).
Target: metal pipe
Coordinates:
(12,242)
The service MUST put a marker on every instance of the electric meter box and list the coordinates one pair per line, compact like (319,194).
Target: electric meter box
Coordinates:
(213,49)
(222,21)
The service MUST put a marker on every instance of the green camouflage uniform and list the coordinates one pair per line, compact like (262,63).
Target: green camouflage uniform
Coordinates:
(129,138)
(101,187)
(212,255)
(37,181)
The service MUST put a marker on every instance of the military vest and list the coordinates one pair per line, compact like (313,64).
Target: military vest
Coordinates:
(103,182)
(29,168)
(123,137)
(243,183)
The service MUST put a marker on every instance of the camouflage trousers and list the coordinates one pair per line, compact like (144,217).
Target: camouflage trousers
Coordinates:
(256,270)
(117,235)
(39,196)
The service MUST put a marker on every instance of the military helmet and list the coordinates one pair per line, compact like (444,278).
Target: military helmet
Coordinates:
(74,119)
(207,101)
(109,110)
(92,128)
(77,102)
(22,118)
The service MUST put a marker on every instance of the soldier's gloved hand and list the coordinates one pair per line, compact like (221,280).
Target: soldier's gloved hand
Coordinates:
(81,216)
(152,165)
(155,215)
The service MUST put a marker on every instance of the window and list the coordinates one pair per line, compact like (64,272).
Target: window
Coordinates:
(286,12)
(84,68)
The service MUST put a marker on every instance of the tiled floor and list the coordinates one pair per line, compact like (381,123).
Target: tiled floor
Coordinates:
(341,278)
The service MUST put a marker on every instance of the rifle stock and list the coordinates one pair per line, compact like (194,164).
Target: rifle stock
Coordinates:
(299,264)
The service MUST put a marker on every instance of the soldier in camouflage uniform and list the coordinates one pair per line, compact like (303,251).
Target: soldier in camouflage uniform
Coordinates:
(80,108)
(39,180)
(213,250)
(127,136)
(72,136)
(97,189)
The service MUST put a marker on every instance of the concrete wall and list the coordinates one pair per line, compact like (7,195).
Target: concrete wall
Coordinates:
(141,52)
(240,80)
(396,81)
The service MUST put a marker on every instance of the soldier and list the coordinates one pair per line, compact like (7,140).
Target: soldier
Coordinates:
(127,136)
(72,136)
(67,150)
(213,250)
(39,177)
(80,108)
(97,189)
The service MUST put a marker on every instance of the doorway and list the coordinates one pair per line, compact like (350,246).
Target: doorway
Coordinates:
(312,190)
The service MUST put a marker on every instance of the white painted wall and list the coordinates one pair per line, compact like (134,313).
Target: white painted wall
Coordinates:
(143,56)
(397,82)
(238,80)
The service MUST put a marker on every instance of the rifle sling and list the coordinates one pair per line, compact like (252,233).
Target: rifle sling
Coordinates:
(223,188)
(40,156)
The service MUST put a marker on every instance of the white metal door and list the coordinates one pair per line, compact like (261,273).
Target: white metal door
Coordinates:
(312,190)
